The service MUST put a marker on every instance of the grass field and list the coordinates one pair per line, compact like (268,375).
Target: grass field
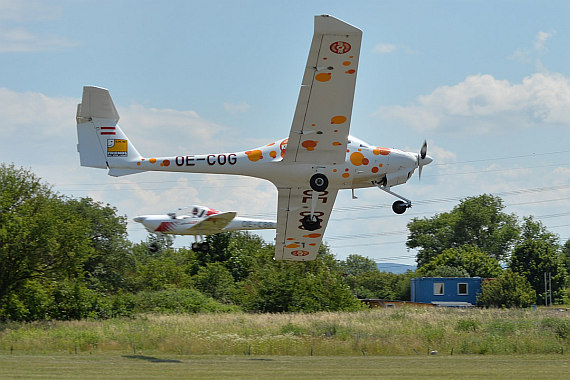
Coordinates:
(386,343)
(104,366)
(376,332)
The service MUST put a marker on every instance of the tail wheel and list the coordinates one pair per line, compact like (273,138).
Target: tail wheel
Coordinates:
(311,224)
(319,182)
(399,207)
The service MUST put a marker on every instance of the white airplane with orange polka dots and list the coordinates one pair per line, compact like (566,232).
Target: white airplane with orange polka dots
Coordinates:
(308,168)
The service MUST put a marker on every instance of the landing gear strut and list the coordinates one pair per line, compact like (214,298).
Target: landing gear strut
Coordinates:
(399,207)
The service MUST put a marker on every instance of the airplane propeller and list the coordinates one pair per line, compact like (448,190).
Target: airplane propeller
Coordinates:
(421,158)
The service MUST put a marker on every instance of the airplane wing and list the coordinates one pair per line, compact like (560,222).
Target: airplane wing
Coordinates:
(213,224)
(292,241)
(319,132)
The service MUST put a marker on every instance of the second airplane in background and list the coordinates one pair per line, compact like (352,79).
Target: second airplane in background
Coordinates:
(200,221)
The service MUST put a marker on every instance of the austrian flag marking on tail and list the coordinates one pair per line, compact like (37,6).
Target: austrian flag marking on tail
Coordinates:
(107,131)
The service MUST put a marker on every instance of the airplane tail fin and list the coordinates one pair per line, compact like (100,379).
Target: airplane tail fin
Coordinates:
(101,142)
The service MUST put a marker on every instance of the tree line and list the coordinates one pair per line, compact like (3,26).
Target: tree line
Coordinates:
(66,258)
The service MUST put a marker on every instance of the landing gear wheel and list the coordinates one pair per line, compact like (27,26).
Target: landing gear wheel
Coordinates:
(399,207)
(319,182)
(153,247)
(195,247)
(205,247)
(311,224)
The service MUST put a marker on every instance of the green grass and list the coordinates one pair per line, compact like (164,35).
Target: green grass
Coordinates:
(104,366)
(377,332)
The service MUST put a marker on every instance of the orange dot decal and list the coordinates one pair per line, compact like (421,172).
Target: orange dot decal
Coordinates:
(375,170)
(346,175)
(254,155)
(271,144)
(152,160)
(351,71)
(334,170)
(293,245)
(138,163)
(382,151)
(312,236)
(165,163)
(273,154)
(365,161)
(337,143)
(338,119)
(309,145)
(313,244)
(356,158)
(323,77)
(346,63)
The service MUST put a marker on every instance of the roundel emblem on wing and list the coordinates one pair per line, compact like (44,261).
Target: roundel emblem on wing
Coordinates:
(283,147)
(299,253)
(340,47)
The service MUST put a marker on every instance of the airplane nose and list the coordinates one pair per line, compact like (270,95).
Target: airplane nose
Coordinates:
(139,219)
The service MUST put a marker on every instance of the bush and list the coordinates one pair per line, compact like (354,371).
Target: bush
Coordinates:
(508,290)
(178,301)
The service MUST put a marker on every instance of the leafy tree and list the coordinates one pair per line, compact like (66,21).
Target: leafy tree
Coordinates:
(442,271)
(39,238)
(281,286)
(376,284)
(107,266)
(477,221)
(166,269)
(246,254)
(468,259)
(538,253)
(508,290)
(356,264)
(216,281)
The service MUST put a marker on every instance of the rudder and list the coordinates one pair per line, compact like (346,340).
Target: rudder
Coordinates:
(101,142)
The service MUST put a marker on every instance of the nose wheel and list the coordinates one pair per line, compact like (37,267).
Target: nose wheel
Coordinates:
(400,207)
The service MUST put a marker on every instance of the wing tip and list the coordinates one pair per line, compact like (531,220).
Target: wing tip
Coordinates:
(327,24)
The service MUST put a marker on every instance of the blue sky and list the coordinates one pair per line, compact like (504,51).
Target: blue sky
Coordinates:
(487,83)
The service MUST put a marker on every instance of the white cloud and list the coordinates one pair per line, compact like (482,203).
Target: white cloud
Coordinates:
(234,108)
(384,48)
(23,41)
(19,10)
(482,104)
(540,40)
(532,55)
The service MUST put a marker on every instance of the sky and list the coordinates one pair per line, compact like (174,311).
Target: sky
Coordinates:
(486,83)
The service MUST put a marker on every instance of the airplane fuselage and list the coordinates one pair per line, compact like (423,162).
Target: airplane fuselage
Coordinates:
(364,166)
